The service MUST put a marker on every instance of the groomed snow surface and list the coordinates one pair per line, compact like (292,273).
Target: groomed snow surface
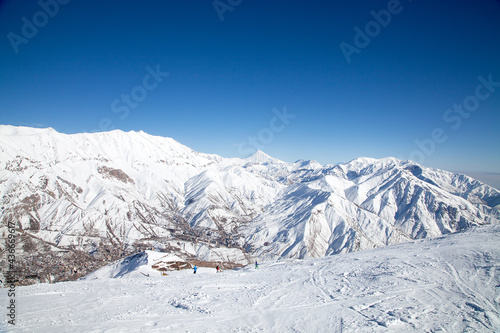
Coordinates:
(448,284)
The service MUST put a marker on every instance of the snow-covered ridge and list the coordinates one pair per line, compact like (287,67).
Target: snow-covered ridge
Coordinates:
(136,191)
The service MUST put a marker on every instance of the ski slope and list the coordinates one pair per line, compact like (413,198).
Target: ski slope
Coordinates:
(447,284)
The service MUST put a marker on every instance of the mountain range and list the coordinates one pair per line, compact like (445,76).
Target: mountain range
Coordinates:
(105,195)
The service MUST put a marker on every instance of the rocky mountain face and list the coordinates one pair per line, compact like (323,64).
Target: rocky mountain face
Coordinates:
(79,201)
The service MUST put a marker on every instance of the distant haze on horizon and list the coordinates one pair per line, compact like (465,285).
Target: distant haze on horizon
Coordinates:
(492,179)
(316,80)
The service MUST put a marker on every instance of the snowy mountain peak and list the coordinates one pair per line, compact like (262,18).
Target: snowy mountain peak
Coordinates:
(362,162)
(309,164)
(260,157)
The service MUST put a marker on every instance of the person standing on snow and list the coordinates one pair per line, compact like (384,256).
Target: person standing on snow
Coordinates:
(256,265)
(217,268)
(195,269)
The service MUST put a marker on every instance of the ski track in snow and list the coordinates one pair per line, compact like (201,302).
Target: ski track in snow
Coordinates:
(447,284)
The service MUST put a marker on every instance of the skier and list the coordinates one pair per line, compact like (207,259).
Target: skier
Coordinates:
(256,265)
(194,269)
(217,268)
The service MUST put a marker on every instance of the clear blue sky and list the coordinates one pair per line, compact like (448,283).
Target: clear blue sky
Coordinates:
(227,75)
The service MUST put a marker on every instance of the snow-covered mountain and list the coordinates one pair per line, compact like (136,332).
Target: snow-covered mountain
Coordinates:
(118,191)
(368,203)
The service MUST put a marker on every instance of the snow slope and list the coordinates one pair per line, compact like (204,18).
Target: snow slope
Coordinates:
(139,263)
(449,284)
